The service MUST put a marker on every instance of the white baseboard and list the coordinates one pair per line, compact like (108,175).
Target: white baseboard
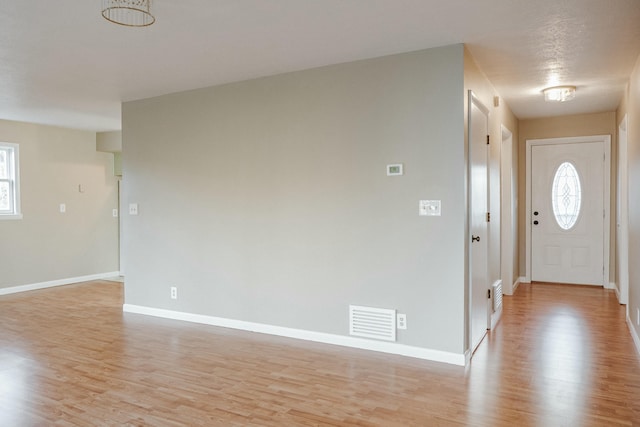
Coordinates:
(467,359)
(518,281)
(634,335)
(614,286)
(610,285)
(53,283)
(341,340)
(495,318)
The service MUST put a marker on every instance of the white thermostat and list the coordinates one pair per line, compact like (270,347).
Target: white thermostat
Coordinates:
(394,170)
(429,208)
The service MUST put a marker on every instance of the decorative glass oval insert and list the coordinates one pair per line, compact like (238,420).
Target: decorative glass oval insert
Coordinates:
(566,195)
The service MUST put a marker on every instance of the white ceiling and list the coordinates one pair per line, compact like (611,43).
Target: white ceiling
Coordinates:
(61,63)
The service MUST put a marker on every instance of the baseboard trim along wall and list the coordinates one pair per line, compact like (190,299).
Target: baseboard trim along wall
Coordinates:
(634,335)
(495,318)
(614,286)
(519,280)
(341,340)
(59,282)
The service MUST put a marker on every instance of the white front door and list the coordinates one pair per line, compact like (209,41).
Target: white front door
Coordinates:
(567,213)
(478,184)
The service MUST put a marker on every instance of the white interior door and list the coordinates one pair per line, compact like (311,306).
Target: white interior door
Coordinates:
(567,213)
(478,184)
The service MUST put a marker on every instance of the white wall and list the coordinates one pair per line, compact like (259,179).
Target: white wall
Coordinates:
(46,245)
(267,200)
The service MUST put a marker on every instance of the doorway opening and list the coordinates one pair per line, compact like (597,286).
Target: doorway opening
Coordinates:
(578,252)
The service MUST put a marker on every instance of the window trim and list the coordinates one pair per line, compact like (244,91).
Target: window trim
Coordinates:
(17,210)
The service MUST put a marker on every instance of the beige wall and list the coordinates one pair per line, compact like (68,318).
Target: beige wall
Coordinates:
(498,116)
(630,106)
(110,142)
(47,245)
(557,127)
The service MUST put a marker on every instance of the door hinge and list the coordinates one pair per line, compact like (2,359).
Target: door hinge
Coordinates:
(487,139)
(488,293)
(488,216)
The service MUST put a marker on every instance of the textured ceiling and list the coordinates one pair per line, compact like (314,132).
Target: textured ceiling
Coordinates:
(61,63)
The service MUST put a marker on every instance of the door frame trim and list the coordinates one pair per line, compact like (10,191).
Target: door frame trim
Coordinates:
(508,212)
(606,243)
(622,211)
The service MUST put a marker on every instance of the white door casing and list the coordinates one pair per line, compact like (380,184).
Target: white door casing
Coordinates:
(622,219)
(508,216)
(579,254)
(479,317)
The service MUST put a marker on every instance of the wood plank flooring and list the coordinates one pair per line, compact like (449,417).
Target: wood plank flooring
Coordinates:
(561,356)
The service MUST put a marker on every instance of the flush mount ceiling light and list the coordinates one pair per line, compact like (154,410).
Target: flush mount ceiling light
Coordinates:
(130,13)
(559,93)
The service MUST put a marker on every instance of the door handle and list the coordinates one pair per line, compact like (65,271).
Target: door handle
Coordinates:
(475,238)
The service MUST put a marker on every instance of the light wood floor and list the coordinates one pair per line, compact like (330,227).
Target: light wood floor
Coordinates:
(561,356)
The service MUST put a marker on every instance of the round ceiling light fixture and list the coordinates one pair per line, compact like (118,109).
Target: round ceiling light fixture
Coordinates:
(130,13)
(559,93)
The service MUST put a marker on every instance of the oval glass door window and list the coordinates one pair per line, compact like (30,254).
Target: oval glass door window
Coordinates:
(566,195)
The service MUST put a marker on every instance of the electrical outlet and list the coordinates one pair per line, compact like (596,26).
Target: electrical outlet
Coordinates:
(401,321)
(174,292)
(114,212)
(133,209)
(63,208)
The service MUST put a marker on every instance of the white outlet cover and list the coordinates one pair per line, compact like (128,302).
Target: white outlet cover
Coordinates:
(63,208)
(401,321)
(114,212)
(429,208)
(133,209)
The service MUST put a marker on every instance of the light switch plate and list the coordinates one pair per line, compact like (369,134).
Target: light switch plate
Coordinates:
(133,209)
(114,212)
(429,208)
(63,208)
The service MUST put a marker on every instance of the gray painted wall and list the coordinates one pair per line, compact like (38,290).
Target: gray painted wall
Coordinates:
(267,200)
(46,245)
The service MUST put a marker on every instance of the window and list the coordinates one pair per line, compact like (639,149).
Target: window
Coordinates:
(566,196)
(9,182)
